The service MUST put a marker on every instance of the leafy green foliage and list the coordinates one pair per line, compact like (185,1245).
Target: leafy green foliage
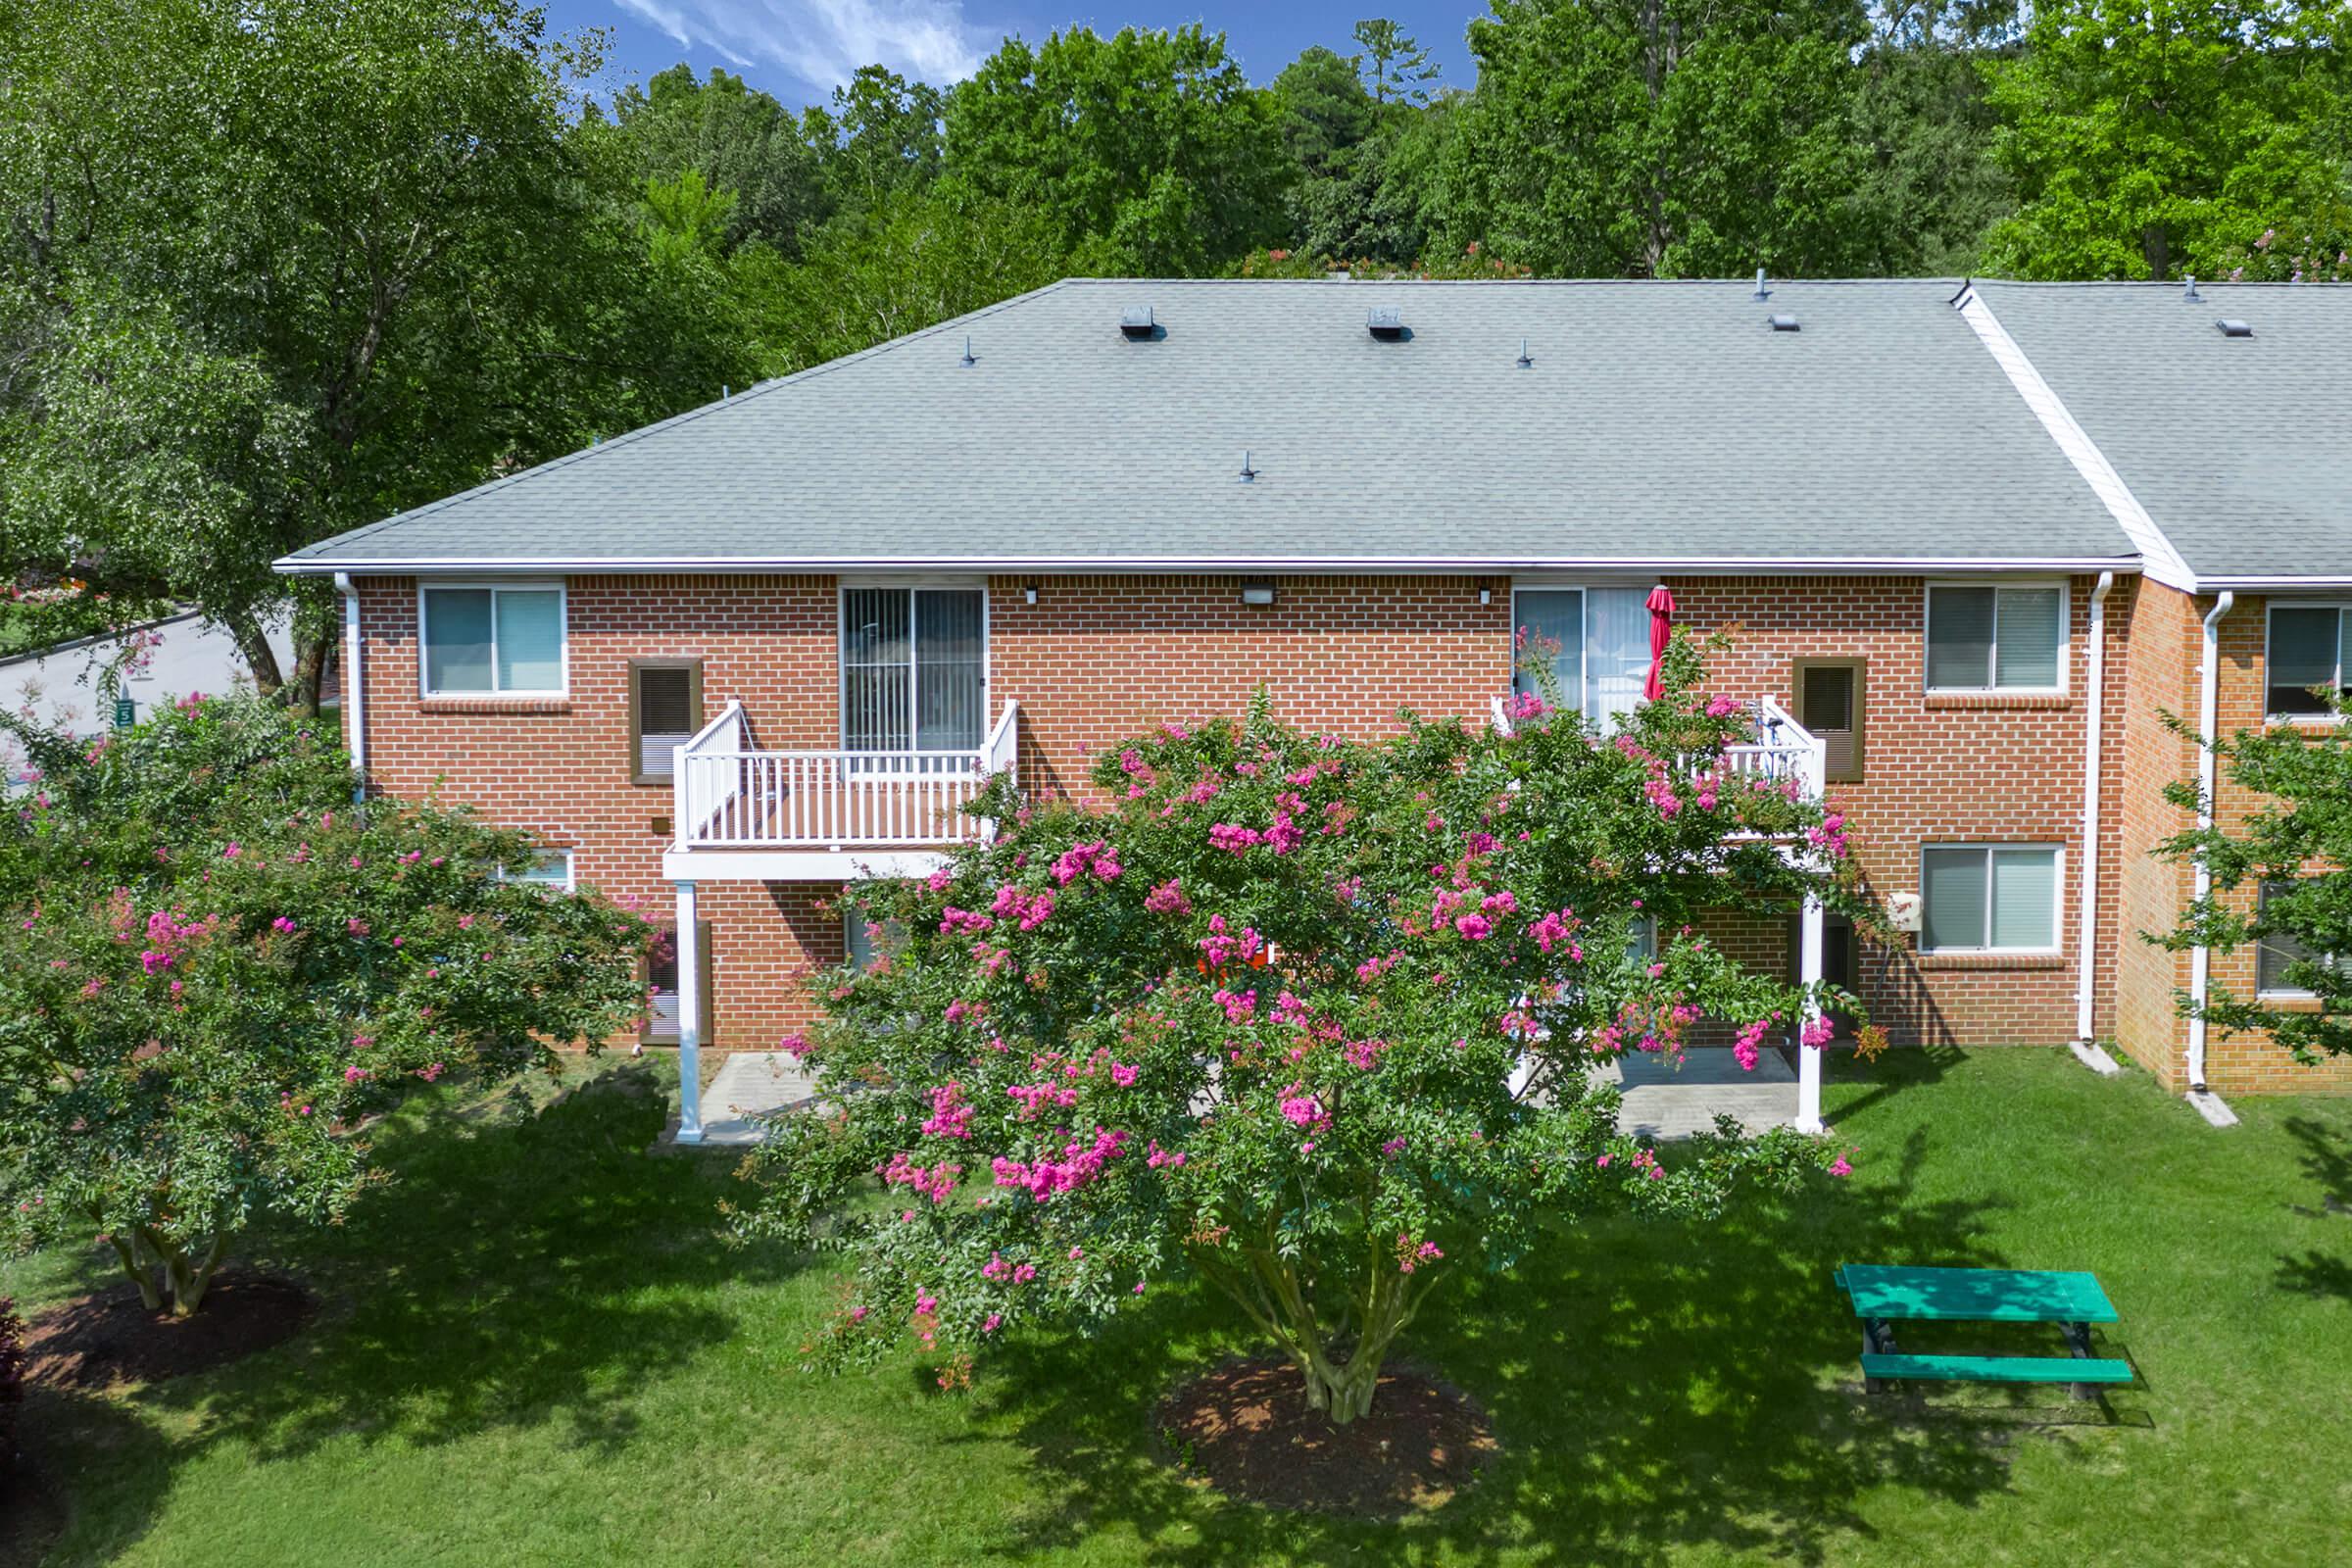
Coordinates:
(2278,880)
(2147,140)
(1148,150)
(1309,1018)
(219,969)
(1609,137)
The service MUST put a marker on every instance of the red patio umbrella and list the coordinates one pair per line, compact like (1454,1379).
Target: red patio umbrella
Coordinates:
(1661,628)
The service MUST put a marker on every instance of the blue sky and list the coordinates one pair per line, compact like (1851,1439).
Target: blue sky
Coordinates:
(799,49)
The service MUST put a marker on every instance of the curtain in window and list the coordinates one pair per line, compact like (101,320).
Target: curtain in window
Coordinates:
(2025,899)
(456,640)
(2303,655)
(1551,625)
(949,661)
(1616,650)
(2028,638)
(1953,899)
(530,640)
(876,675)
(1960,637)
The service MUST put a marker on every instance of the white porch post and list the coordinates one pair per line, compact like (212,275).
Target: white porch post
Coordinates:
(1808,1057)
(688,940)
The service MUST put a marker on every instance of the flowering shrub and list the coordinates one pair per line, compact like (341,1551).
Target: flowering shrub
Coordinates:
(1309,1018)
(217,969)
(11,1380)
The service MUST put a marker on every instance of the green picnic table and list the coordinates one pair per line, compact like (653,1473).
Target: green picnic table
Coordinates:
(1884,1295)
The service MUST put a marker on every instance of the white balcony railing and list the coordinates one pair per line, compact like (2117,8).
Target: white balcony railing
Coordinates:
(733,794)
(1782,748)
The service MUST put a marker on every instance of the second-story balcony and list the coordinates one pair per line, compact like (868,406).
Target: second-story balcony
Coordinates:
(1781,747)
(744,810)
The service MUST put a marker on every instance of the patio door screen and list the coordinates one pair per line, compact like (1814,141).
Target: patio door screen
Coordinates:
(914,664)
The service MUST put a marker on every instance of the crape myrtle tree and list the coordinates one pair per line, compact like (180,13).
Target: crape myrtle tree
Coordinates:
(218,971)
(1306,1017)
(2278,886)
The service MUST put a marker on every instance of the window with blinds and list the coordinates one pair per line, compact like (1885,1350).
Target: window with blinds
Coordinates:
(914,670)
(2306,652)
(1995,639)
(1594,640)
(666,709)
(2275,952)
(492,640)
(1829,704)
(1989,898)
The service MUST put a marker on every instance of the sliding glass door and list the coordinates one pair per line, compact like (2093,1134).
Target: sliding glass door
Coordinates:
(914,670)
(1596,641)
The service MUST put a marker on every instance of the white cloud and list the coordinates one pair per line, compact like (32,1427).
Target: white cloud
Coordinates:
(822,41)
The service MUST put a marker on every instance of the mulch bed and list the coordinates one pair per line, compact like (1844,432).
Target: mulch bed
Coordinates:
(108,1338)
(1245,1428)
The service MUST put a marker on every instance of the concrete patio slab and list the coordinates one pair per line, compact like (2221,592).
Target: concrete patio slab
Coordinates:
(1663,1100)
(1666,1099)
(752,1083)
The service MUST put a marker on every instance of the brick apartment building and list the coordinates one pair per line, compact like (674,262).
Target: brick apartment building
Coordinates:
(1970,544)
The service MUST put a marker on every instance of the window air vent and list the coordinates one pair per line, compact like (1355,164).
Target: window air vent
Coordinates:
(2232,326)
(1138,326)
(1385,323)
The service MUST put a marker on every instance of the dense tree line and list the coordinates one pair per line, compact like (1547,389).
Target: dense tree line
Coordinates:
(274,268)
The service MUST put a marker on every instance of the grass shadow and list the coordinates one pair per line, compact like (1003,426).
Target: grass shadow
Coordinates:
(527,1266)
(1654,1388)
(2325,1156)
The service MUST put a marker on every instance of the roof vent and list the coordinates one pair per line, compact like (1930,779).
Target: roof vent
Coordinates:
(2188,291)
(1763,292)
(1524,361)
(1384,322)
(1782,323)
(967,362)
(1138,326)
(2232,327)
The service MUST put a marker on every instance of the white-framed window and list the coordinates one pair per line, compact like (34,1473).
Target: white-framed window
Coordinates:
(1991,898)
(1989,637)
(2274,952)
(549,868)
(492,639)
(2306,649)
(1596,638)
(914,667)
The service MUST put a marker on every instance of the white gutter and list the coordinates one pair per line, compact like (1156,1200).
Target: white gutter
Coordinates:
(1762,566)
(2091,745)
(355,687)
(2201,961)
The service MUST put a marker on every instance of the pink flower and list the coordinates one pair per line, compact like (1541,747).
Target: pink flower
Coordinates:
(1817,1031)
(989,1324)
(1168,898)
(1841,1167)
(281,923)
(1475,927)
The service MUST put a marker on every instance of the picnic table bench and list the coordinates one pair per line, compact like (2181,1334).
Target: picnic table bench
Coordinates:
(1885,1296)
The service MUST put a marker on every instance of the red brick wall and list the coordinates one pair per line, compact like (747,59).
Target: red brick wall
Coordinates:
(2166,647)
(1099,659)
(1942,769)
(2249,1063)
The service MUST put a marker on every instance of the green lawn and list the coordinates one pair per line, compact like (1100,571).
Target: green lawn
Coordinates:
(536,1351)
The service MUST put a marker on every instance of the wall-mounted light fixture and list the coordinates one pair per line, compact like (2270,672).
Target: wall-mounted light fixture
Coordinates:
(1486,595)
(1029,593)
(1257,593)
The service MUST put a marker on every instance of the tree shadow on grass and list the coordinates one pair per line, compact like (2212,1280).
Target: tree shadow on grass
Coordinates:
(522,1269)
(1652,1387)
(2327,1158)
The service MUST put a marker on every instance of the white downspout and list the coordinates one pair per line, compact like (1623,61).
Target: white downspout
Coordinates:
(2208,726)
(2086,994)
(354,709)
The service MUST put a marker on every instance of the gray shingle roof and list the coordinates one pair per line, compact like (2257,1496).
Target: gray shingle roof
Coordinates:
(1660,422)
(2240,449)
